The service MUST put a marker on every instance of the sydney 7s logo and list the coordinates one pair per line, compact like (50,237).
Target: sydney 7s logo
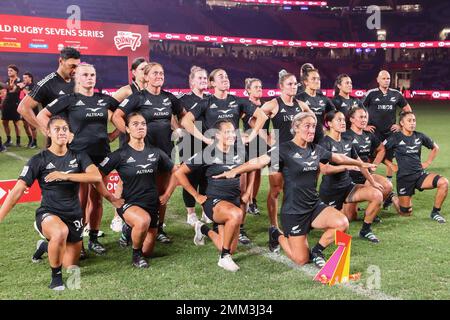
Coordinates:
(126,39)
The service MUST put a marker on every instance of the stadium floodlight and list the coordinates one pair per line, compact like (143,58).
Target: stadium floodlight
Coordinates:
(444,33)
(381,35)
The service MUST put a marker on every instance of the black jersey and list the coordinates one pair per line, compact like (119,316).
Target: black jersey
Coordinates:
(320,105)
(88,120)
(122,136)
(300,168)
(58,197)
(344,105)
(381,108)
(157,111)
(246,120)
(407,151)
(50,88)
(282,121)
(189,143)
(215,162)
(365,145)
(301,88)
(138,171)
(212,109)
(332,182)
(11,102)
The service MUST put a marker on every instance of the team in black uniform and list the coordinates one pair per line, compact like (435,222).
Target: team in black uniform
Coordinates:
(138,164)
(59,172)
(88,114)
(412,174)
(316,101)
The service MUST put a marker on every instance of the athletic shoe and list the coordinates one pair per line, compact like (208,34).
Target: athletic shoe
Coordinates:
(37,230)
(33,145)
(227,263)
(274,245)
(318,259)
(205,218)
(191,219)
(388,202)
(39,254)
(96,247)
(8,143)
(116,224)
(437,217)
(199,238)
(87,229)
(140,262)
(253,209)
(255,205)
(162,236)
(369,236)
(243,238)
(3,148)
(57,284)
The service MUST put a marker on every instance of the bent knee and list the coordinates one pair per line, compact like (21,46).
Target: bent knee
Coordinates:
(300,260)
(443,183)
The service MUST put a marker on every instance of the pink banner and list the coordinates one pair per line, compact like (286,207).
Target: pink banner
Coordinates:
(283,3)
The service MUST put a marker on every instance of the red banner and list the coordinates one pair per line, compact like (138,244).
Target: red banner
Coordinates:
(283,3)
(296,43)
(48,35)
(34,194)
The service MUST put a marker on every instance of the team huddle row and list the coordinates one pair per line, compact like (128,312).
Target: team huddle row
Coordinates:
(309,134)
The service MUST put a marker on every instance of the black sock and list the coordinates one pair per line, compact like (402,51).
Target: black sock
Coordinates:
(241,227)
(137,253)
(275,234)
(43,248)
(225,252)
(160,226)
(8,139)
(56,272)
(17,140)
(366,227)
(1,142)
(436,210)
(93,235)
(205,229)
(30,139)
(318,248)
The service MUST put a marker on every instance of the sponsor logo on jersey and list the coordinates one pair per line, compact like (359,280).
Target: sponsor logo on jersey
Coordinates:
(160,109)
(377,99)
(402,191)
(213,106)
(309,163)
(224,111)
(316,110)
(364,147)
(230,167)
(344,104)
(130,160)
(147,103)
(127,39)
(393,99)
(232,104)
(297,156)
(334,149)
(402,143)
(80,103)
(50,166)
(355,141)
(217,161)
(321,103)
(283,111)
(166,102)
(93,109)
(61,93)
(417,141)
(143,166)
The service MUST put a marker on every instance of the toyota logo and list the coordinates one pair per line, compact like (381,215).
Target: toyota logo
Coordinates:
(402,45)
(422,44)
(441,44)
(207,38)
(384,45)
(291,43)
(359,93)
(168,36)
(271,93)
(258,41)
(326,44)
(275,42)
(224,39)
(345,44)
(309,44)
(365,45)
(188,37)
(436,94)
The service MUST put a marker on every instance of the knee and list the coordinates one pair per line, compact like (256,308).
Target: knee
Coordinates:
(59,236)
(236,216)
(300,260)
(274,192)
(388,187)
(342,224)
(443,183)
(377,196)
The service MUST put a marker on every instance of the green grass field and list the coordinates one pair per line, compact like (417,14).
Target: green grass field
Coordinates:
(412,257)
